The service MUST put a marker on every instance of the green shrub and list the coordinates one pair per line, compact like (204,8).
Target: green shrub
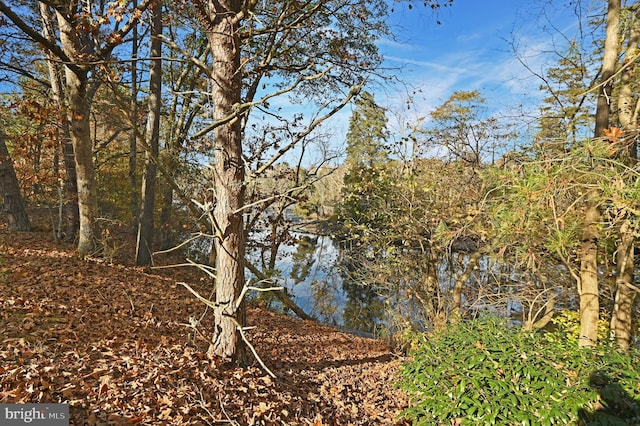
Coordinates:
(486,372)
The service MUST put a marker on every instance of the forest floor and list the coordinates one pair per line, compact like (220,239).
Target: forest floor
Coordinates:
(112,341)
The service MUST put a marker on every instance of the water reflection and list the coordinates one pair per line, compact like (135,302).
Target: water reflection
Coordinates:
(327,284)
(311,273)
(317,276)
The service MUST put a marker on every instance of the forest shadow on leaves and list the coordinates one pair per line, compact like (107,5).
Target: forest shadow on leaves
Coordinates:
(616,406)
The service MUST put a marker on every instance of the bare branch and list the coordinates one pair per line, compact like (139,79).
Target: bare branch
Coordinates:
(32,33)
(239,110)
(240,329)
(300,136)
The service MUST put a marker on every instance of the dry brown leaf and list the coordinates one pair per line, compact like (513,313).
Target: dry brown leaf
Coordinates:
(116,363)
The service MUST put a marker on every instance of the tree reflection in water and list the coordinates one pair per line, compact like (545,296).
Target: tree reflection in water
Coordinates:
(314,273)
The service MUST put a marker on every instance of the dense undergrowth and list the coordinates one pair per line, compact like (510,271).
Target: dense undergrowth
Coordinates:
(486,372)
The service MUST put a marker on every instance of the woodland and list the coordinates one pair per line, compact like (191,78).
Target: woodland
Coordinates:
(158,161)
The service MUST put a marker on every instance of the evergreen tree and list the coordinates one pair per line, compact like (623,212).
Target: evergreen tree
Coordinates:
(366,182)
(566,110)
(367,133)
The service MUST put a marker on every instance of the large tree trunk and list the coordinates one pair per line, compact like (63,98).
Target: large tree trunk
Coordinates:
(588,286)
(220,20)
(79,108)
(622,314)
(145,227)
(13,205)
(68,157)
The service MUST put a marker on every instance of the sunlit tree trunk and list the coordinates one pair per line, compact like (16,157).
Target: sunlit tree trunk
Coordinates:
(79,109)
(13,204)
(220,20)
(68,159)
(622,314)
(588,285)
(145,227)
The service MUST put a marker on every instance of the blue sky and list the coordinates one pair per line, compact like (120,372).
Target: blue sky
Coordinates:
(471,49)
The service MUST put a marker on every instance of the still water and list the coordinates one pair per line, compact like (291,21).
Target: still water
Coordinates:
(309,271)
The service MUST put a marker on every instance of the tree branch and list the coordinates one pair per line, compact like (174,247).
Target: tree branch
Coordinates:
(33,34)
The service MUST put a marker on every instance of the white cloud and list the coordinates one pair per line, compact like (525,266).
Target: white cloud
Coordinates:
(472,51)
(433,62)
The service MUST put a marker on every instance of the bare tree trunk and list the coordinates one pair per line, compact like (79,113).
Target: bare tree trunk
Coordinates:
(221,24)
(13,207)
(68,157)
(133,142)
(79,108)
(622,315)
(145,227)
(588,286)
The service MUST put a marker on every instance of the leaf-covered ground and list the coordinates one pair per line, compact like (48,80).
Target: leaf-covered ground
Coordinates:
(112,342)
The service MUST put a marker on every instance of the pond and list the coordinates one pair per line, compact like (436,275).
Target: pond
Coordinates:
(309,270)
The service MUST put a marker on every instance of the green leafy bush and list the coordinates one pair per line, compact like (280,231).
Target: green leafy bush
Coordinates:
(486,372)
